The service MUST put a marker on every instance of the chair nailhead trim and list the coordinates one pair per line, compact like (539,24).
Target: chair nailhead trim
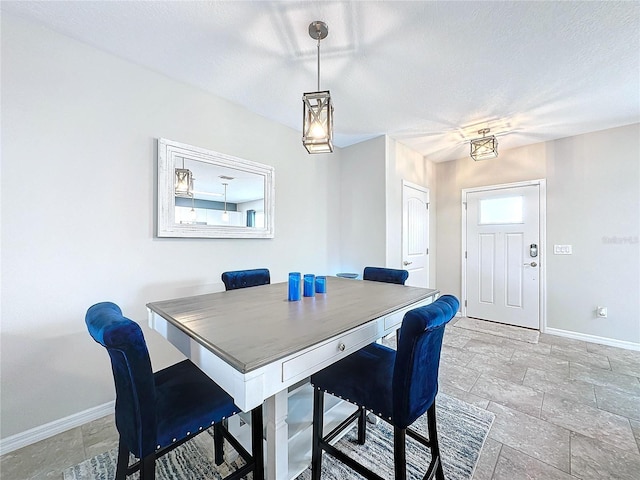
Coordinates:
(347,400)
(158,447)
(188,433)
(173,440)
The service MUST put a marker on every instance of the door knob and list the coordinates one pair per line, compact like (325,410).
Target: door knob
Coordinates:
(532,264)
(405,263)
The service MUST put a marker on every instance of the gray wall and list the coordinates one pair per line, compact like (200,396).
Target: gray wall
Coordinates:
(78,189)
(371,175)
(593,203)
(362,209)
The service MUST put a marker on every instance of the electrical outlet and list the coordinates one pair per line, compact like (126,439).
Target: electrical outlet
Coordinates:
(601,312)
(562,250)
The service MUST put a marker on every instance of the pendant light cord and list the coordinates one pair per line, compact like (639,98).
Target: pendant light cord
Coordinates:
(318,61)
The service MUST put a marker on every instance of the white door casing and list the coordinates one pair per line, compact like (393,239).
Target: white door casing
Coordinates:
(502,280)
(415,233)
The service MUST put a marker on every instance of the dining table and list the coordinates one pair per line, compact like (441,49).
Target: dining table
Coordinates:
(259,347)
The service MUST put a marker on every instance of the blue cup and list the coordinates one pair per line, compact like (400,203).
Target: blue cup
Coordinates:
(309,285)
(294,286)
(321,284)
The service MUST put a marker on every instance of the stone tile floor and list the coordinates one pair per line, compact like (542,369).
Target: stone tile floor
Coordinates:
(565,409)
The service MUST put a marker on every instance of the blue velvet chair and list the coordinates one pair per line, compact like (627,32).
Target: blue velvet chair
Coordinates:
(397,386)
(387,275)
(156,412)
(246,278)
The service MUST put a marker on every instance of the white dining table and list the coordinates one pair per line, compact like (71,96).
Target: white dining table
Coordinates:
(256,344)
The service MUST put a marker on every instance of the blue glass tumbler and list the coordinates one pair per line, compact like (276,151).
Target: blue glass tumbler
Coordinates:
(309,285)
(294,286)
(321,284)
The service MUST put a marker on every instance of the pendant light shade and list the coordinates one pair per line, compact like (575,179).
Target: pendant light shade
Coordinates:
(317,109)
(318,122)
(485,147)
(183,186)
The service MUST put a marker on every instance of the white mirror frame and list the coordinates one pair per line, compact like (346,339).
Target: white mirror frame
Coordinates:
(168,151)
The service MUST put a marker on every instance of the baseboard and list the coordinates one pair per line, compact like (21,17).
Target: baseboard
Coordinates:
(593,339)
(50,429)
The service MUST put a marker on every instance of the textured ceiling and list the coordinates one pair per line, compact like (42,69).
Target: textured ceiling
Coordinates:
(430,74)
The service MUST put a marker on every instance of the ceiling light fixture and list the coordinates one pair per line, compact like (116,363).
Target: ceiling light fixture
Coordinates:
(183,182)
(485,147)
(317,109)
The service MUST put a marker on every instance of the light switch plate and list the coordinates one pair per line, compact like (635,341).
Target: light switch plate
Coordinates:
(562,250)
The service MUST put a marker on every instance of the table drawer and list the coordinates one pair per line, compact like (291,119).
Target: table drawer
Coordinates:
(394,320)
(330,352)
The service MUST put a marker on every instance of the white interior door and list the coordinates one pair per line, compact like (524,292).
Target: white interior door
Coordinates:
(415,234)
(503,262)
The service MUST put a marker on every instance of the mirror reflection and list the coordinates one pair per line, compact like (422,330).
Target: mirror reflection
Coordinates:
(207,194)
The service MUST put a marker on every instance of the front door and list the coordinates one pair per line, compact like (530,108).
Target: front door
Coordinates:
(503,255)
(415,233)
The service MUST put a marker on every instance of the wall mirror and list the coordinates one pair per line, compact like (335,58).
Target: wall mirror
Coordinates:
(206,194)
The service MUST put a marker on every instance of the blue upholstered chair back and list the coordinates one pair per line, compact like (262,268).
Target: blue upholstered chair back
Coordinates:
(133,375)
(415,373)
(386,275)
(246,278)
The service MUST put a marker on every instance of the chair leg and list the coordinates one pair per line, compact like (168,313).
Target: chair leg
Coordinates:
(257,446)
(123,461)
(148,467)
(433,440)
(399,453)
(318,421)
(218,443)
(362,426)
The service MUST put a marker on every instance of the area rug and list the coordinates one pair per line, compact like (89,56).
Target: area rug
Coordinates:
(499,329)
(462,430)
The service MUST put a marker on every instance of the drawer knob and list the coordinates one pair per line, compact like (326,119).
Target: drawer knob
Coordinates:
(341,347)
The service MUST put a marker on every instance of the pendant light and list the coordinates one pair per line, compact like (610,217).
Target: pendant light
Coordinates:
(183,182)
(193,216)
(225,214)
(485,147)
(317,109)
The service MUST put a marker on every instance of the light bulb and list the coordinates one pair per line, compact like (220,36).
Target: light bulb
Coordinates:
(317,131)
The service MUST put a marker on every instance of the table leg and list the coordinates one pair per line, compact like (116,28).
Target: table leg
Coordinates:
(277,436)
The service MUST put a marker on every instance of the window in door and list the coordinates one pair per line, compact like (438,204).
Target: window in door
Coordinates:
(501,210)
